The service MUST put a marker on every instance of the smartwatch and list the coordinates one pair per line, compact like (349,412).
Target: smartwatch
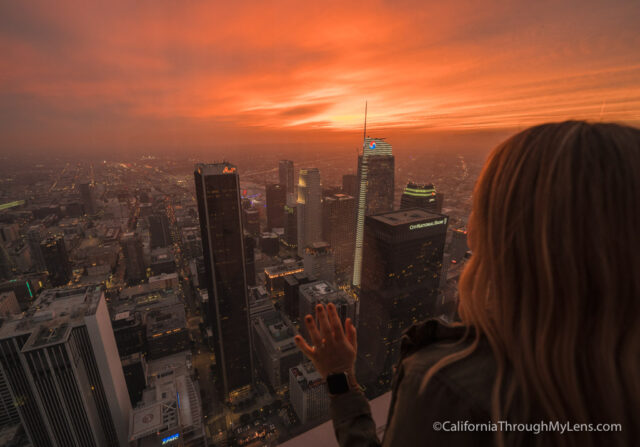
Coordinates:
(338,383)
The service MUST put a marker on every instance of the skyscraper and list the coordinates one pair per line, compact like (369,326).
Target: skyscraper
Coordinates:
(56,260)
(338,229)
(309,208)
(291,225)
(285,171)
(134,260)
(34,238)
(62,366)
(159,230)
(420,195)
(375,193)
(459,244)
(276,200)
(319,261)
(218,194)
(251,221)
(402,263)
(350,184)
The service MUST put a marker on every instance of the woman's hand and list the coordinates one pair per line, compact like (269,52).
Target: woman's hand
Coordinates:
(334,349)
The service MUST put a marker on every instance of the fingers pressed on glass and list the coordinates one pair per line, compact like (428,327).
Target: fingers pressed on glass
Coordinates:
(314,334)
(334,321)
(304,346)
(323,322)
(350,330)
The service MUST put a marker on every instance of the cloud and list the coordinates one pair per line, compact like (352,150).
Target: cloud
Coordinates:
(77,73)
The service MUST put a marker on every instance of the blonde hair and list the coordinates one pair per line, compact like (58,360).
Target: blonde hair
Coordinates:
(554,279)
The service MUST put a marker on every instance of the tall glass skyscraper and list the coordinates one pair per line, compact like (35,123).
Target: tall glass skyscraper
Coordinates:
(309,209)
(218,195)
(402,263)
(376,178)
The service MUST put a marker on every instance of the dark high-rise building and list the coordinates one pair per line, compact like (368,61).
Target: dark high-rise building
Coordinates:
(338,229)
(269,244)
(251,221)
(285,175)
(290,239)
(276,200)
(350,184)
(402,263)
(56,260)
(159,230)
(218,194)
(459,245)
(292,285)
(133,257)
(86,195)
(375,190)
(419,195)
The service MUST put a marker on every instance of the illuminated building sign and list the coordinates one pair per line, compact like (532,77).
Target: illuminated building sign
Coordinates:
(228,170)
(372,145)
(171,438)
(433,223)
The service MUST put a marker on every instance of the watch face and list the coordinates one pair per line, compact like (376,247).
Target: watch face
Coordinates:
(337,383)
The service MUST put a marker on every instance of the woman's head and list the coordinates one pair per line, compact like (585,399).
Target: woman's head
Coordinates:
(554,280)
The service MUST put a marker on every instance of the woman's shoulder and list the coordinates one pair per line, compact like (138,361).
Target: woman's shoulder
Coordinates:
(469,378)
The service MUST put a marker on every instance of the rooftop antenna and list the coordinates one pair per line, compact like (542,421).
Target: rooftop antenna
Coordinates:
(364,136)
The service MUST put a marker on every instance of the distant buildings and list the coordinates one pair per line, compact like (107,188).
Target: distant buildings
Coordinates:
(251,221)
(170,412)
(62,366)
(8,304)
(375,192)
(56,260)
(339,230)
(285,175)
(276,200)
(459,245)
(35,235)
(308,393)
(319,261)
(218,195)
(323,292)
(275,350)
(290,239)
(167,331)
(275,275)
(269,244)
(350,184)
(309,208)
(133,256)
(402,263)
(292,285)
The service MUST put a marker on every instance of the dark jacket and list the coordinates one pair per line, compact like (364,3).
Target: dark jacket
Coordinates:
(458,392)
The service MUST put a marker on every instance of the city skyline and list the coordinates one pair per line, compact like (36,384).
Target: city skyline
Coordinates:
(124,78)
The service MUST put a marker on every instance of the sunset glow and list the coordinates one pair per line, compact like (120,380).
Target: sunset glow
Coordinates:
(186,73)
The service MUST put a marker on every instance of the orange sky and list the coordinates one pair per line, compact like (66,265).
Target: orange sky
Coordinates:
(182,74)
